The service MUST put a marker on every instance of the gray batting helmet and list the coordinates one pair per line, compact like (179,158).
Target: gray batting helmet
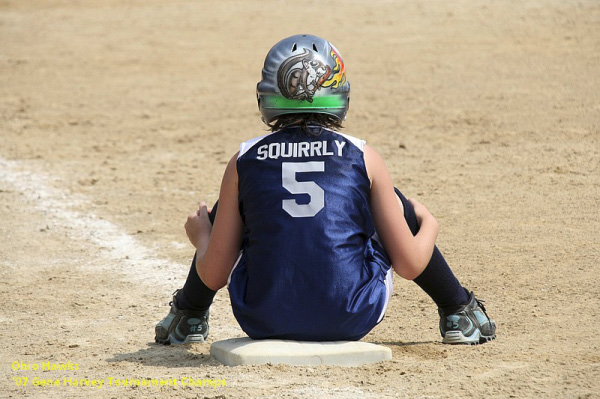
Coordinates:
(302,74)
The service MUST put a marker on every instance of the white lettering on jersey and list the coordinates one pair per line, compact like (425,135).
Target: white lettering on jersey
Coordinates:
(315,148)
(262,152)
(303,149)
(340,145)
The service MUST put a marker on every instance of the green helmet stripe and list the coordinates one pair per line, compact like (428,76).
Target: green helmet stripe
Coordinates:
(277,102)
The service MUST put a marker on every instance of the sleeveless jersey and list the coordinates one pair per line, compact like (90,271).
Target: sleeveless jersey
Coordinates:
(310,267)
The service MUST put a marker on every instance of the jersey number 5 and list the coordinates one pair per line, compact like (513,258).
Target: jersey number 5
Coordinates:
(289,182)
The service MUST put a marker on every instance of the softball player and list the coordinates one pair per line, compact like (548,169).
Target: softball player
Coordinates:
(309,226)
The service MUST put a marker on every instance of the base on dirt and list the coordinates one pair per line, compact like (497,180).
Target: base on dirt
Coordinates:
(245,351)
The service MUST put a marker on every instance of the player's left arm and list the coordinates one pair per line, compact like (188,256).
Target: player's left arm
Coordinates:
(218,247)
(409,254)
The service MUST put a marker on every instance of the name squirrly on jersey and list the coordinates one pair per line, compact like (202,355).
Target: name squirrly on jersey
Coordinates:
(302,149)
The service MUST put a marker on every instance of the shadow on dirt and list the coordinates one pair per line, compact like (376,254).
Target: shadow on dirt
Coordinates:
(400,343)
(430,350)
(168,356)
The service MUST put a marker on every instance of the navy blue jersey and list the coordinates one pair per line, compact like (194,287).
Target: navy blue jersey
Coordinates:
(310,267)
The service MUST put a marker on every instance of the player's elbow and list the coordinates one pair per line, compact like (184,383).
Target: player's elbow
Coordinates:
(410,268)
(212,280)
(408,272)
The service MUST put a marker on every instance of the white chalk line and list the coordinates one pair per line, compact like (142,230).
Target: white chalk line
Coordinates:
(121,252)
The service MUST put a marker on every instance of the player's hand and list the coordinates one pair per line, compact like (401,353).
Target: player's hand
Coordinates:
(198,226)
(420,210)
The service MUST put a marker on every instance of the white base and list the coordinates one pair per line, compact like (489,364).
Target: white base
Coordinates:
(245,351)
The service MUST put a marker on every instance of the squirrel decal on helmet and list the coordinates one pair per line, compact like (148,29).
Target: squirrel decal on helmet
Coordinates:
(300,76)
(303,74)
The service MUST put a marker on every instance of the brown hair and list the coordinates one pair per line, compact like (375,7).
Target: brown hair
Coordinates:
(305,122)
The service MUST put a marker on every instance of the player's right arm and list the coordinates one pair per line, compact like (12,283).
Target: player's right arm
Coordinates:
(218,250)
(409,254)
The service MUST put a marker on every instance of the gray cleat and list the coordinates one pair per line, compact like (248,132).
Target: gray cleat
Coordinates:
(467,324)
(182,326)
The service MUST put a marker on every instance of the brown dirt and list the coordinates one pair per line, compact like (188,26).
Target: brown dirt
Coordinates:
(117,117)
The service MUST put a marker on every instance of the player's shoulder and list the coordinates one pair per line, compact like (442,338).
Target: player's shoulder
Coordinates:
(359,143)
(248,144)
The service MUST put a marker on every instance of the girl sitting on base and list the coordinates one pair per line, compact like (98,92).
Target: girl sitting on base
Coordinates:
(309,225)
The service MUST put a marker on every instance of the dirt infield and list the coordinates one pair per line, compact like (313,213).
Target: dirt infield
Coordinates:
(117,117)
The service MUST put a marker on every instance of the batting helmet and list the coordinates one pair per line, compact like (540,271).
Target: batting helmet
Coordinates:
(303,74)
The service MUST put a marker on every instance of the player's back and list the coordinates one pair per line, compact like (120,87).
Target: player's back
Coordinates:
(309,268)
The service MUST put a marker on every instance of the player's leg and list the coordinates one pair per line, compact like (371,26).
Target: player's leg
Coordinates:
(187,321)
(462,317)
(437,280)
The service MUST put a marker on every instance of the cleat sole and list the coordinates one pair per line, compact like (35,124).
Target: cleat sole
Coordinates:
(457,338)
